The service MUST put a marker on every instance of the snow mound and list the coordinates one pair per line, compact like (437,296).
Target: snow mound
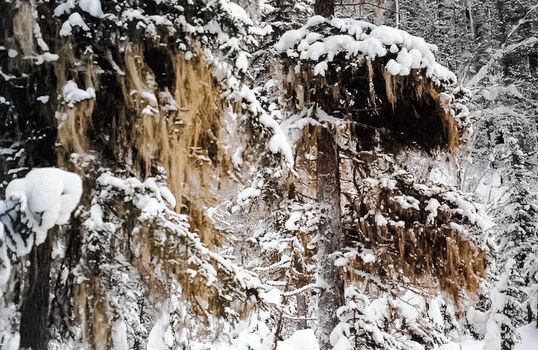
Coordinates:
(303,339)
(529,341)
(321,40)
(47,197)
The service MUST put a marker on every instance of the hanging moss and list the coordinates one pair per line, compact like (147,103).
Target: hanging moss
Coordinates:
(409,110)
(389,216)
(385,115)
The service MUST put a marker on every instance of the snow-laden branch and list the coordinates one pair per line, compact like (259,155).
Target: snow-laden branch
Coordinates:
(33,205)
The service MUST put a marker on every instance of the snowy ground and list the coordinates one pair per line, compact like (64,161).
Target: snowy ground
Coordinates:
(529,341)
(306,340)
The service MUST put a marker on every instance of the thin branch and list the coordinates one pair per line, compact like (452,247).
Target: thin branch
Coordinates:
(301,290)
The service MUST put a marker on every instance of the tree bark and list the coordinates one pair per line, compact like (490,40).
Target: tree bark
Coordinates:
(330,231)
(397,12)
(324,8)
(469,15)
(35,307)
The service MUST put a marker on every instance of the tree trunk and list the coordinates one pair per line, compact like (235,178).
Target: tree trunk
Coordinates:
(330,231)
(302,306)
(397,12)
(469,15)
(324,8)
(35,307)
(331,237)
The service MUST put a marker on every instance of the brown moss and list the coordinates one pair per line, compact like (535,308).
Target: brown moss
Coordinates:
(23,26)
(410,110)
(72,129)
(424,251)
(172,258)
(91,313)
(185,141)
(74,119)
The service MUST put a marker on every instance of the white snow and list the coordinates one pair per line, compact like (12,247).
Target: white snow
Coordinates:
(236,12)
(304,339)
(434,310)
(5,269)
(278,143)
(151,197)
(48,196)
(149,96)
(320,40)
(320,68)
(167,195)
(291,223)
(72,94)
(45,57)
(393,67)
(432,207)
(529,338)
(12,343)
(64,8)
(274,296)
(160,337)
(74,20)
(367,256)
(246,194)
(377,309)
(407,202)
(380,220)
(119,336)
(43,99)
(338,337)
(529,341)
(93,7)
(242,62)
(410,305)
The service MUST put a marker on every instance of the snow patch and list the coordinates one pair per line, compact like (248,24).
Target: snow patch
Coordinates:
(93,7)
(74,20)
(48,196)
(304,339)
(72,94)
(321,40)
(119,336)
(160,337)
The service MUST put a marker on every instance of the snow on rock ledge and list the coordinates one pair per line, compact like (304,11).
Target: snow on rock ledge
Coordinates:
(321,40)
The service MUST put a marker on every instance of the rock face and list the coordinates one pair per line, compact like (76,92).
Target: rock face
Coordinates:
(202,215)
